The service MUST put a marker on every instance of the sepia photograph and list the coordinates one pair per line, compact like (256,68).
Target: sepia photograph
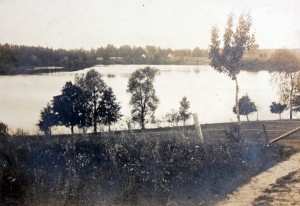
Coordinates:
(149,102)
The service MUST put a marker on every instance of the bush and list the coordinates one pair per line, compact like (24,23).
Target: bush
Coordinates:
(11,186)
(121,169)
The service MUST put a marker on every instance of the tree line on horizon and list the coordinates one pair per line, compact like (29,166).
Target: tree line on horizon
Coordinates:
(20,58)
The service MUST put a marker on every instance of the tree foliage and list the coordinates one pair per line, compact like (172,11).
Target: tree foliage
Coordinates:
(246,106)
(277,108)
(285,61)
(93,86)
(184,114)
(69,106)
(287,79)
(296,102)
(143,98)
(47,120)
(109,108)
(236,42)
(173,117)
(181,115)
(86,103)
(15,59)
(28,56)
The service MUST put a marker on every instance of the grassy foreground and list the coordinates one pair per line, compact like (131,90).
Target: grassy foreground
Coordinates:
(121,169)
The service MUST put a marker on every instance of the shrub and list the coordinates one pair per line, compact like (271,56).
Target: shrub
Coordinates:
(121,169)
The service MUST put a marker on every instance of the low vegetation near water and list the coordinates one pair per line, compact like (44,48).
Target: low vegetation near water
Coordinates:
(123,169)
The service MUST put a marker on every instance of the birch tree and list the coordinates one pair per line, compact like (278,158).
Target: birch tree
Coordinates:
(287,79)
(236,41)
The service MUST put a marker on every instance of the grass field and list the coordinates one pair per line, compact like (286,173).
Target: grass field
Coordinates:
(152,167)
(252,131)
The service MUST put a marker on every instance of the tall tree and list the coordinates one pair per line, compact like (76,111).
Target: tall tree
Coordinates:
(277,108)
(184,114)
(109,108)
(69,106)
(288,76)
(47,119)
(246,106)
(143,98)
(93,86)
(235,43)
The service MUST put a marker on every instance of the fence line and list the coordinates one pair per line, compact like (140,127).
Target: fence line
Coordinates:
(285,135)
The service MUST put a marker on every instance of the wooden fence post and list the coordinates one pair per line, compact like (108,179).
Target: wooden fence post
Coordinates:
(129,127)
(198,127)
(266,135)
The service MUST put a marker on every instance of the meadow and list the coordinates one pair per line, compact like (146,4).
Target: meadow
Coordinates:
(154,167)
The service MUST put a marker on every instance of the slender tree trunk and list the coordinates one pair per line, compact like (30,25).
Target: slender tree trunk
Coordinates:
(290,105)
(290,97)
(48,132)
(72,129)
(237,107)
(247,118)
(142,122)
(95,117)
(84,123)
(143,117)
(95,126)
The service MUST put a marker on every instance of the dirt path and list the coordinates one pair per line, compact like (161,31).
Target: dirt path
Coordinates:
(256,188)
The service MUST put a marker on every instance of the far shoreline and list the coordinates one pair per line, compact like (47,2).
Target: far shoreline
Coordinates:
(248,65)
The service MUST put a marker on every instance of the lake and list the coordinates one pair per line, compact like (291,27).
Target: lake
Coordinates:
(211,94)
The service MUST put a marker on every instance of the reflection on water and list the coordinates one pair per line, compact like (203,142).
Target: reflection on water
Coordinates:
(111,75)
(210,93)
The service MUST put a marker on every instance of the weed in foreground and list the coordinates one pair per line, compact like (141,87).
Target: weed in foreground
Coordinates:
(121,169)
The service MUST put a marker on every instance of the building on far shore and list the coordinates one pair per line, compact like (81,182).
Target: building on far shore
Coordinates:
(196,60)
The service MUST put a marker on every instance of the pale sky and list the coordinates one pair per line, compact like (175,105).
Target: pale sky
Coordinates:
(165,23)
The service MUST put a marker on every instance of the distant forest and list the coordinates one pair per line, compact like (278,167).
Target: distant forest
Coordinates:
(15,59)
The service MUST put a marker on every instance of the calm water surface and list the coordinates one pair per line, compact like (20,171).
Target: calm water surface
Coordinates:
(210,93)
